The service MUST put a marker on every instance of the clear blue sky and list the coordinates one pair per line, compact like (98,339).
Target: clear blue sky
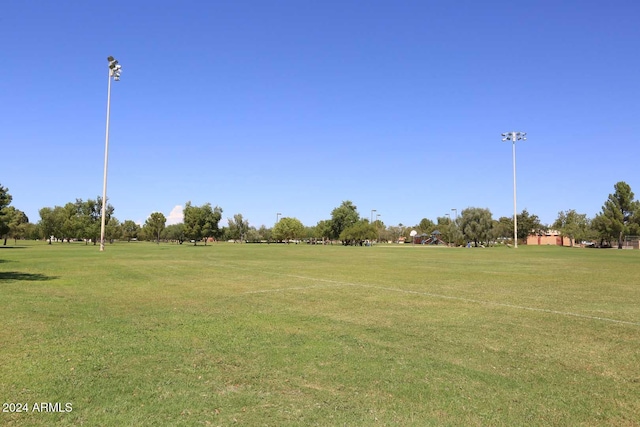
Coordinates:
(291,106)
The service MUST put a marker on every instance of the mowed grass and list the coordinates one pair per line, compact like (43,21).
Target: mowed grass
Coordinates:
(297,335)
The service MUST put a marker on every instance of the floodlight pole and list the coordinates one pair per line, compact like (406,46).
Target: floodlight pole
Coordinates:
(513,137)
(278,217)
(372,211)
(455,221)
(114,71)
(449,233)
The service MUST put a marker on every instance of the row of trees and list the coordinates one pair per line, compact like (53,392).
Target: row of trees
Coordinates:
(81,220)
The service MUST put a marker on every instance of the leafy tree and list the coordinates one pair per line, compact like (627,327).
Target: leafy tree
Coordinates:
(113,230)
(71,222)
(323,230)
(503,228)
(264,233)
(287,229)
(343,217)
(425,226)
(201,222)
(445,227)
(476,224)
(175,232)
(31,231)
(84,219)
(47,223)
(618,213)
(573,225)
(130,230)
(17,222)
(253,235)
(395,232)
(238,227)
(527,224)
(379,226)
(5,201)
(357,233)
(155,225)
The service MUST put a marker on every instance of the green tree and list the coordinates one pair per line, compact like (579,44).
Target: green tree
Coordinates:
(113,230)
(323,230)
(527,224)
(17,222)
(343,217)
(288,229)
(84,219)
(130,230)
(425,226)
(476,224)
(573,225)
(445,227)
(175,232)
(155,225)
(65,222)
(503,228)
(238,227)
(264,233)
(5,201)
(357,233)
(46,223)
(201,222)
(617,215)
(253,235)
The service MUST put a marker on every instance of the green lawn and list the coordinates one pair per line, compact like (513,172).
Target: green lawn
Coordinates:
(277,335)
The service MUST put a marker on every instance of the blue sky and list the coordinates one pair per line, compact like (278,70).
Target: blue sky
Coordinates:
(282,106)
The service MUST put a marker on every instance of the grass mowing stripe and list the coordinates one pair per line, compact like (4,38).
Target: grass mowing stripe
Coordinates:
(429,294)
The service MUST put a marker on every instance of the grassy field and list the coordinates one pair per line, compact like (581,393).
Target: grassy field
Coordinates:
(276,335)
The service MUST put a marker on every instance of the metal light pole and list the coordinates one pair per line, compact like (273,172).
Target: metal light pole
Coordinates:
(278,217)
(377,229)
(513,137)
(449,233)
(455,221)
(114,72)
(372,211)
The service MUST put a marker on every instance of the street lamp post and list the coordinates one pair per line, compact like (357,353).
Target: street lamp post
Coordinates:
(278,217)
(378,229)
(114,72)
(513,137)
(372,211)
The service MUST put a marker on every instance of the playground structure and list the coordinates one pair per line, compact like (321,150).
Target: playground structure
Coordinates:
(426,239)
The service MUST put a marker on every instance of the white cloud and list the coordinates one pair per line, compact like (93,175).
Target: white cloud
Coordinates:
(175,216)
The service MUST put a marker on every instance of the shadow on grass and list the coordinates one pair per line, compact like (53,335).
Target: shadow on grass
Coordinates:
(16,275)
(13,247)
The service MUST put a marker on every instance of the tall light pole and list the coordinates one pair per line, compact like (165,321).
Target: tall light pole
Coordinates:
(372,211)
(278,217)
(114,72)
(513,137)
(449,233)
(377,229)
(455,222)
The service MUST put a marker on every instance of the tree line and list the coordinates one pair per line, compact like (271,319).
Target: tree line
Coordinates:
(80,220)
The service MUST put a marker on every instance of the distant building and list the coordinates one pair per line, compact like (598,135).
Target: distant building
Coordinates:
(550,237)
